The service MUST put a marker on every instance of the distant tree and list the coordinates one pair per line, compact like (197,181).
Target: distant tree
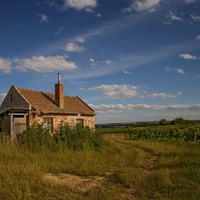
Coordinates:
(163,122)
(180,120)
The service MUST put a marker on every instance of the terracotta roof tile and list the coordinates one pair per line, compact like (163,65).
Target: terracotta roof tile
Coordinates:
(45,102)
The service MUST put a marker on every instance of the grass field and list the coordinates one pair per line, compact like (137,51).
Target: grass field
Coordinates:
(121,169)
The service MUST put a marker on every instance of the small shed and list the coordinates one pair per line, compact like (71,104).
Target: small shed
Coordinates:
(23,107)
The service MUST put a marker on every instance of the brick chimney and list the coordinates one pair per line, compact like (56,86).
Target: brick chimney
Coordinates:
(59,93)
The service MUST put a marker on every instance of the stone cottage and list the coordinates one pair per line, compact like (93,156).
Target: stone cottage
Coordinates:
(22,107)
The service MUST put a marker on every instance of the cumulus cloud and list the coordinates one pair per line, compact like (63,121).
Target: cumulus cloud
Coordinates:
(91,60)
(128,91)
(44,64)
(187,56)
(43,18)
(195,17)
(2,96)
(79,4)
(180,71)
(108,62)
(5,65)
(173,17)
(94,63)
(116,91)
(141,5)
(72,47)
(80,40)
(142,107)
(198,37)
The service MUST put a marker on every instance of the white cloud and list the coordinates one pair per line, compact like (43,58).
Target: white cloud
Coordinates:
(180,71)
(189,1)
(198,37)
(128,91)
(72,47)
(195,17)
(2,96)
(43,18)
(95,62)
(89,10)
(79,4)
(108,62)
(187,56)
(116,91)
(141,5)
(98,15)
(164,95)
(80,40)
(143,107)
(59,30)
(91,60)
(5,65)
(127,72)
(172,17)
(44,64)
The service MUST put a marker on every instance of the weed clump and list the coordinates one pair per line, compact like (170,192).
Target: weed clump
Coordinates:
(77,138)
(37,137)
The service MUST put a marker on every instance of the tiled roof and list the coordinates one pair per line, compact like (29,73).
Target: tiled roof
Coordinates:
(45,102)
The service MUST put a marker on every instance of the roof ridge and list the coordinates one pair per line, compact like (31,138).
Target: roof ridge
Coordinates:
(28,89)
(31,90)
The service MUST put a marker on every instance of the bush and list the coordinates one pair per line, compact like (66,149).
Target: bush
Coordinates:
(77,138)
(38,137)
(5,139)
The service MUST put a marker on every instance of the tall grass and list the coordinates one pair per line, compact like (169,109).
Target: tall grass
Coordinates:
(23,163)
(77,138)
(176,174)
(124,164)
(38,137)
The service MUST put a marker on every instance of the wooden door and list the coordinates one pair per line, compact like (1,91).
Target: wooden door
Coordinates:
(19,122)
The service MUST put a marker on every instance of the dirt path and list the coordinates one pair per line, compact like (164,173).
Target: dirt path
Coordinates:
(150,163)
(85,184)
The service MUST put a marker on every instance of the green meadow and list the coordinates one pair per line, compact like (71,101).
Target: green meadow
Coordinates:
(83,164)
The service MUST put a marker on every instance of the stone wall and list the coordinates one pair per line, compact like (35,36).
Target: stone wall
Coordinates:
(70,119)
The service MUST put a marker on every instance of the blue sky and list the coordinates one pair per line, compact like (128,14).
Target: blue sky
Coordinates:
(130,60)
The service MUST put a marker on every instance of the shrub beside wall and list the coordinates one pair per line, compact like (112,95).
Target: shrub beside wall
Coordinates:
(38,137)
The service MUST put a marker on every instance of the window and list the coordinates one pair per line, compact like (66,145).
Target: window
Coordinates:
(79,122)
(48,123)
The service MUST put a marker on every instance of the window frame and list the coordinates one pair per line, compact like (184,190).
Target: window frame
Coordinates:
(80,122)
(50,124)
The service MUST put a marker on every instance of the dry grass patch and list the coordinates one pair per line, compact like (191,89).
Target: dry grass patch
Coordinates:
(81,184)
